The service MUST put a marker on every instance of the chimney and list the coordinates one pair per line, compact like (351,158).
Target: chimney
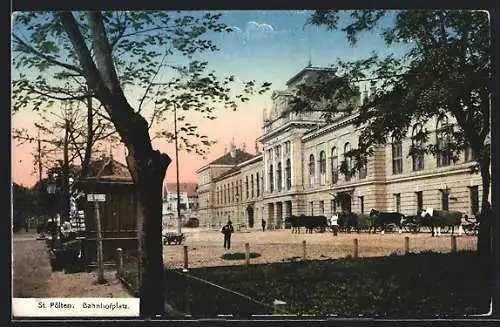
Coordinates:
(256,147)
(244,147)
(232,150)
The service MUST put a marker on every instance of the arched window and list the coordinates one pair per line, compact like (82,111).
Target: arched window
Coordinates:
(397,156)
(311,169)
(335,166)
(348,161)
(417,143)
(442,140)
(279,176)
(288,174)
(322,167)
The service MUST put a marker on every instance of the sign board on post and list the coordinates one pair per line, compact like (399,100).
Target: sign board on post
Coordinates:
(96,197)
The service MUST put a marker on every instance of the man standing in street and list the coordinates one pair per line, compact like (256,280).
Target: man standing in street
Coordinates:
(227,230)
(263,224)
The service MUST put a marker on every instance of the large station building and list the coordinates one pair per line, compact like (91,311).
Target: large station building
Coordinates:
(297,171)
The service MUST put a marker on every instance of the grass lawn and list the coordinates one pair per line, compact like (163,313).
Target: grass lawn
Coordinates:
(424,284)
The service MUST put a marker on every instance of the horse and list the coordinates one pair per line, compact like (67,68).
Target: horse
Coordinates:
(383,219)
(436,219)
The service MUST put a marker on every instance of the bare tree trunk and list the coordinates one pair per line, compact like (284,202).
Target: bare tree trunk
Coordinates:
(484,242)
(65,171)
(148,171)
(90,138)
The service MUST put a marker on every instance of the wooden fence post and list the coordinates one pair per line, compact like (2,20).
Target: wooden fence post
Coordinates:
(304,253)
(119,262)
(247,254)
(185,257)
(407,245)
(355,248)
(453,243)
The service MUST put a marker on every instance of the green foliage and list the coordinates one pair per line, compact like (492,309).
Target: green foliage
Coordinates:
(445,285)
(239,255)
(146,47)
(445,70)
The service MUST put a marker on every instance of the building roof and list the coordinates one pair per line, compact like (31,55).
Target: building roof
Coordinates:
(106,168)
(228,159)
(226,173)
(308,70)
(189,188)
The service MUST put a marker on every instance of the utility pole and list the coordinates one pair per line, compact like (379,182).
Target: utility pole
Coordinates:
(39,157)
(179,220)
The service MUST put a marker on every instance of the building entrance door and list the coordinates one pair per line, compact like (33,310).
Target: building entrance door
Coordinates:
(344,200)
(250,216)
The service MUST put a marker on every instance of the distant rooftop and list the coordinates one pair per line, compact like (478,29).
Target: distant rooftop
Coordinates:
(189,188)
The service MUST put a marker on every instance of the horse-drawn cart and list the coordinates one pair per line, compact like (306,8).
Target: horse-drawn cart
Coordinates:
(173,238)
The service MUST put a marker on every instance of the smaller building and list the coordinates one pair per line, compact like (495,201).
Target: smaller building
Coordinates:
(188,200)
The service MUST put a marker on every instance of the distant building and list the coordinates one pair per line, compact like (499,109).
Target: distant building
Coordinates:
(188,201)
(299,170)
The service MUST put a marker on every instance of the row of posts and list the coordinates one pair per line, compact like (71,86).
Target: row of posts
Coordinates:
(304,249)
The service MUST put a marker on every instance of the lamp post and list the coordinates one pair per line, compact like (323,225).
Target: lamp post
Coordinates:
(237,196)
(51,189)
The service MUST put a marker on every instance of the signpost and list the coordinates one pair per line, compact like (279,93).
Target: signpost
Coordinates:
(96,198)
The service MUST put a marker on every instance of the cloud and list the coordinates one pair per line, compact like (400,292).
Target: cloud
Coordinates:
(254,29)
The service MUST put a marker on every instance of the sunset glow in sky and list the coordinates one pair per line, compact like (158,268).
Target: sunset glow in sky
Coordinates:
(269,46)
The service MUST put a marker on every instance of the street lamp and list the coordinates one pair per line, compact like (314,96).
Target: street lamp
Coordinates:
(51,189)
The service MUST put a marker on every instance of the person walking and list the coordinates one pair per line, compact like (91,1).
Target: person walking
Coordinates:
(263,224)
(334,224)
(227,230)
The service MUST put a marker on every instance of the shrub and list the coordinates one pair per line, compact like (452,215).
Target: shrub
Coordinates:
(239,256)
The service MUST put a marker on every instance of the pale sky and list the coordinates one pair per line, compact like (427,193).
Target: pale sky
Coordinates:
(269,46)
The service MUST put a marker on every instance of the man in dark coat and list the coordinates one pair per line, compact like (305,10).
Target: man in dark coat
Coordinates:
(227,230)
(263,224)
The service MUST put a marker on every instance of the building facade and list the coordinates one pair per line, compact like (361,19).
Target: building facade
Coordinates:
(298,171)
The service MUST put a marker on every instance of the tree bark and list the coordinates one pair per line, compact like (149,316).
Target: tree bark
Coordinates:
(484,241)
(148,171)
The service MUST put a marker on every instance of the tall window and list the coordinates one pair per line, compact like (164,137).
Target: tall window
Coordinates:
(442,141)
(420,201)
(311,207)
(232,191)
(271,178)
(257,180)
(348,161)
(322,167)
(311,170)
(333,206)
(445,194)
(246,185)
(252,182)
(397,156)
(279,176)
(362,204)
(288,174)
(474,200)
(262,181)
(335,166)
(322,207)
(417,143)
(397,202)
(469,155)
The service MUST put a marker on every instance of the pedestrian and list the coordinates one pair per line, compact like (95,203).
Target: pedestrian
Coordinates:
(263,224)
(227,230)
(334,224)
